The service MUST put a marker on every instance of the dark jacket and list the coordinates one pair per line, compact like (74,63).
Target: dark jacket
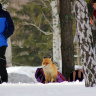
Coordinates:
(6,26)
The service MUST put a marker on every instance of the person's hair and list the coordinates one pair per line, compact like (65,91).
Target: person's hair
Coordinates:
(94,1)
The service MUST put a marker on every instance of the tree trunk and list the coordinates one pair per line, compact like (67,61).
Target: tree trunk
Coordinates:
(85,42)
(66,38)
(56,35)
(9,53)
(78,54)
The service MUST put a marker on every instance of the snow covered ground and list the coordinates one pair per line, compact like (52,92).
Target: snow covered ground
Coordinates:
(23,83)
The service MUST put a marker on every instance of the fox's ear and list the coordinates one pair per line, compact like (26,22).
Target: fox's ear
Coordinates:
(50,58)
(44,58)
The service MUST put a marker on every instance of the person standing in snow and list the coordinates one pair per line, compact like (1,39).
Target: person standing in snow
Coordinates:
(93,24)
(6,30)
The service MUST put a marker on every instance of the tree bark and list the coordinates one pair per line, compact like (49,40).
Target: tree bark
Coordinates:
(67,48)
(85,42)
(56,35)
(9,53)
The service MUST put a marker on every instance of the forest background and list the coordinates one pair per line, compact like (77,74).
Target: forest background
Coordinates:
(32,20)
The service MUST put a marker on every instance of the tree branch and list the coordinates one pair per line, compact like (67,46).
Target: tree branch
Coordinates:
(46,33)
(44,3)
(4,1)
(47,20)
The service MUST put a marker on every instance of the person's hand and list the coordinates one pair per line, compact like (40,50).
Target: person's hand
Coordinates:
(91,21)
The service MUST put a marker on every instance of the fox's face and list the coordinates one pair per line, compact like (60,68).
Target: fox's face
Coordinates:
(46,62)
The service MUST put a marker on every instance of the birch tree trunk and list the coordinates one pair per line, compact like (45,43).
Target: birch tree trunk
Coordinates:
(85,42)
(9,53)
(56,35)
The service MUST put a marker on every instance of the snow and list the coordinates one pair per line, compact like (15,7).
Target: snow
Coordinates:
(22,82)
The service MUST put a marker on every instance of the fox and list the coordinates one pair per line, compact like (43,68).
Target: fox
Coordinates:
(50,70)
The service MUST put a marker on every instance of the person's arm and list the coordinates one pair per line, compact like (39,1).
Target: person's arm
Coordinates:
(93,23)
(10,26)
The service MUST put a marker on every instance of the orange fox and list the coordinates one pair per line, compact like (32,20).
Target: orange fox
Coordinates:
(50,70)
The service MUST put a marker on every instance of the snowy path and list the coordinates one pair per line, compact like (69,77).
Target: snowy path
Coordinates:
(22,83)
(62,89)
